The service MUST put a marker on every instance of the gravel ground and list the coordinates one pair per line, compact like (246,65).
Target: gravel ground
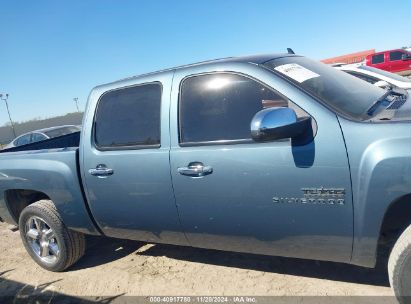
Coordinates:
(114,267)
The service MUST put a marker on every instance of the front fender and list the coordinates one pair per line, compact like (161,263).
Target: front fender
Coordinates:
(380,163)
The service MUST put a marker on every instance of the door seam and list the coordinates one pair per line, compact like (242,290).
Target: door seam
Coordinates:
(169,160)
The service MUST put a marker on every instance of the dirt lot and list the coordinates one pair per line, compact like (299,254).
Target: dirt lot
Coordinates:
(119,267)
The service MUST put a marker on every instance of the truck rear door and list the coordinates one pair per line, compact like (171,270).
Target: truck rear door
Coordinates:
(125,160)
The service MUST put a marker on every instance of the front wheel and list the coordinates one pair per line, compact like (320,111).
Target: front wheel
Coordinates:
(46,238)
(399,267)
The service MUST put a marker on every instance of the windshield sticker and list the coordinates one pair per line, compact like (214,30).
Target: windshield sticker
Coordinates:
(296,72)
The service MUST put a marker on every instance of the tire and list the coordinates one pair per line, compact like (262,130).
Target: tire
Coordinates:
(399,267)
(47,240)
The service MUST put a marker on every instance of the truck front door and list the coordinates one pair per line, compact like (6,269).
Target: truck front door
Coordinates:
(126,161)
(236,194)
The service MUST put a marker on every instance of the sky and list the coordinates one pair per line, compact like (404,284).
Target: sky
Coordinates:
(53,51)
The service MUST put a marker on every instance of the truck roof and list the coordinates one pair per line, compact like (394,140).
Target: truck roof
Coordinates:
(253,59)
(256,59)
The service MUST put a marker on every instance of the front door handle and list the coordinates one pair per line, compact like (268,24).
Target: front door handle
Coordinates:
(101,171)
(195,169)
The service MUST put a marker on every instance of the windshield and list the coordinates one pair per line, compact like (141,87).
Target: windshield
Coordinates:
(62,131)
(345,94)
(385,73)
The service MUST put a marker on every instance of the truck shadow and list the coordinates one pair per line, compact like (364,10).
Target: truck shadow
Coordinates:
(16,292)
(281,265)
(104,250)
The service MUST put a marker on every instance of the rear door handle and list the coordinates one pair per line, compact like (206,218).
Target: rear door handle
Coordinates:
(195,169)
(101,171)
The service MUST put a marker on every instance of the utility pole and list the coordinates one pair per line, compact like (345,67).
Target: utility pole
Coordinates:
(76,101)
(5,97)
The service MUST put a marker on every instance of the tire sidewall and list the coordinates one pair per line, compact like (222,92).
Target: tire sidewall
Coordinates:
(58,230)
(401,278)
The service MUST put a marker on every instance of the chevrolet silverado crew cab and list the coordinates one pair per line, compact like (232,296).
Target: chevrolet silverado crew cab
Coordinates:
(271,154)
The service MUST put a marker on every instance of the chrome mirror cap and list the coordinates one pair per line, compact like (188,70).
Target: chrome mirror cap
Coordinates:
(271,119)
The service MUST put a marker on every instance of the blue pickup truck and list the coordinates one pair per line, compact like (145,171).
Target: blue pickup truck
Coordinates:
(271,154)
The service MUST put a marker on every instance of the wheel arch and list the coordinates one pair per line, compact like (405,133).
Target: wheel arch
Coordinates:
(18,199)
(396,219)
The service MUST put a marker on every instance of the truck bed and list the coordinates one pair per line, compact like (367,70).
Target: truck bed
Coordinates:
(65,141)
(50,168)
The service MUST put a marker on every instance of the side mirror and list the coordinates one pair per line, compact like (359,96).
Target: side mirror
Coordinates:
(279,123)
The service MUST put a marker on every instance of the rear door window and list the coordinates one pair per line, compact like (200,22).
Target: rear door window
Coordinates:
(129,118)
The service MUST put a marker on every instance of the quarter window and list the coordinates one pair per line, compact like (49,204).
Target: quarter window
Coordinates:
(220,107)
(396,55)
(376,59)
(129,117)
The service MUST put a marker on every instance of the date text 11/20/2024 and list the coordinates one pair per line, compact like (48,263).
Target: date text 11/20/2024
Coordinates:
(202,299)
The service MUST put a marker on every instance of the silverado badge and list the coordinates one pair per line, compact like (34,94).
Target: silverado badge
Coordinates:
(320,196)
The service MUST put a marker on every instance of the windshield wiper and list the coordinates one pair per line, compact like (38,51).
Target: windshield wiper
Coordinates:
(395,94)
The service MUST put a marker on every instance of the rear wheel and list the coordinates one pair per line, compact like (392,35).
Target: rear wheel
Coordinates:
(399,267)
(46,238)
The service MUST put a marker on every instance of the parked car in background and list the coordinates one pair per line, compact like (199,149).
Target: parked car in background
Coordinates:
(42,134)
(375,76)
(395,61)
